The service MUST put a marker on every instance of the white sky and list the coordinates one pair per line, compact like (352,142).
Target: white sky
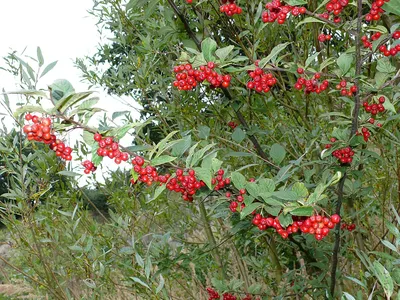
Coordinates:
(63,30)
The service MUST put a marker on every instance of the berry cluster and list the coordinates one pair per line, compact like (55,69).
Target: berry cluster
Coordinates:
(368,43)
(230,8)
(334,7)
(389,52)
(365,133)
(89,166)
(344,155)
(108,147)
(350,227)
(383,48)
(374,108)
(187,77)
(219,181)
(376,11)
(232,124)
(147,174)
(228,296)
(324,37)
(212,294)
(310,85)
(186,184)
(275,11)
(261,82)
(342,86)
(40,131)
(316,225)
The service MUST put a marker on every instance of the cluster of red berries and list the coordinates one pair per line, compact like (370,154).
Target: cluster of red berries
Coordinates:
(350,227)
(108,147)
(344,155)
(187,77)
(374,108)
(365,132)
(40,131)
(368,42)
(383,48)
(316,225)
(342,86)
(324,37)
(213,294)
(219,181)
(147,174)
(275,11)
(186,184)
(375,11)
(310,85)
(232,124)
(261,81)
(239,199)
(334,7)
(89,166)
(230,8)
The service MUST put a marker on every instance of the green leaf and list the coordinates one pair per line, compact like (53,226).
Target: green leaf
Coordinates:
(344,62)
(208,47)
(389,106)
(277,153)
(273,210)
(385,66)
(309,20)
(28,108)
(266,185)
(253,189)
(271,201)
(205,175)
(393,7)
(199,60)
(48,68)
(182,146)
(389,245)
(296,2)
(272,56)
(61,88)
(326,63)
(163,159)
(70,100)
(39,56)
(238,135)
(356,281)
(160,284)
(384,278)
(286,195)
(285,220)
(223,53)
(249,209)
(69,173)
(300,189)
(302,211)
(311,59)
(138,280)
(159,190)
(197,156)
(204,132)
(88,137)
(238,180)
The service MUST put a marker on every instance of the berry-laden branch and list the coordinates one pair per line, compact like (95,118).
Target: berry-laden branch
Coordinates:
(226,92)
(353,131)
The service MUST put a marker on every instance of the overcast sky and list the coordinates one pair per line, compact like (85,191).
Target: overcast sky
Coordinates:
(64,30)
